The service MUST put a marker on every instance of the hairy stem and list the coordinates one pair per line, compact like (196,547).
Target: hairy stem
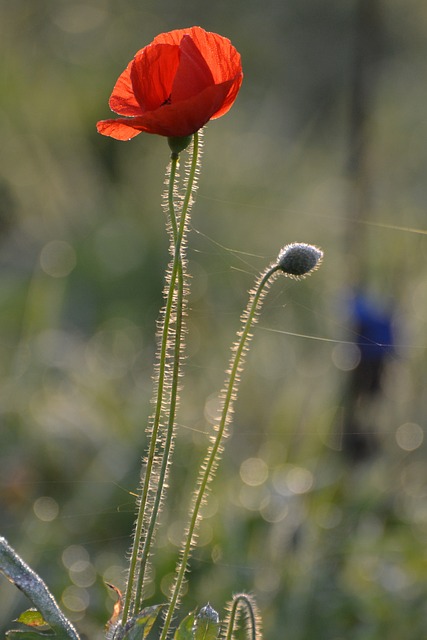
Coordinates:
(210,463)
(178,284)
(166,384)
(243,604)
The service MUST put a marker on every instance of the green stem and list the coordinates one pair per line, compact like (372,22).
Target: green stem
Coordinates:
(242,603)
(177,275)
(211,461)
(161,379)
(137,566)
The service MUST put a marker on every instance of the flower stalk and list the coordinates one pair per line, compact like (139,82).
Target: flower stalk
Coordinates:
(210,464)
(296,260)
(167,386)
(243,606)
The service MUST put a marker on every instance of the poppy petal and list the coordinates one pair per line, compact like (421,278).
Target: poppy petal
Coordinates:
(118,128)
(193,74)
(123,100)
(185,117)
(221,57)
(175,85)
(230,97)
(152,75)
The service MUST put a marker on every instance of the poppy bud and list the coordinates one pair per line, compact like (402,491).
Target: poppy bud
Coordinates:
(299,259)
(206,624)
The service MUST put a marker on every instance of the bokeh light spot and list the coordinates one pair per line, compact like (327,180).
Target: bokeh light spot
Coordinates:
(290,479)
(254,471)
(300,480)
(46,509)
(345,356)
(409,436)
(57,259)
(275,509)
(74,554)
(83,574)
(75,598)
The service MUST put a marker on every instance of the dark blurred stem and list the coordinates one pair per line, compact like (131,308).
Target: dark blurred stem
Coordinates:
(367,48)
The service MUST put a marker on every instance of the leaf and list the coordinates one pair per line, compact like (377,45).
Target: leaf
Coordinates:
(140,626)
(32,618)
(185,629)
(206,624)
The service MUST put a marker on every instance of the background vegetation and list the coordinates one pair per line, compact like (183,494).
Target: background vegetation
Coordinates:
(326,144)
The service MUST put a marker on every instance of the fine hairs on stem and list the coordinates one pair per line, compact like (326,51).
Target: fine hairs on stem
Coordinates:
(296,260)
(166,381)
(242,606)
(178,245)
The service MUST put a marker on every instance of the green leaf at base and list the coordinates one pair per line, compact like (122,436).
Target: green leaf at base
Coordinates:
(185,629)
(32,618)
(140,626)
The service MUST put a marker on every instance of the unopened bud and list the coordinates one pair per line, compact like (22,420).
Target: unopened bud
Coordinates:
(299,259)
(206,624)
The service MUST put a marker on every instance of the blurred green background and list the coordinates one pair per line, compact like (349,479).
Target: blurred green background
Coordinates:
(325,523)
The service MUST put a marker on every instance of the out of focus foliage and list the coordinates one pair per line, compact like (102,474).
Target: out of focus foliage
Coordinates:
(331,545)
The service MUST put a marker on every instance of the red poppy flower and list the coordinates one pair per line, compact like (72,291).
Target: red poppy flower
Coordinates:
(175,85)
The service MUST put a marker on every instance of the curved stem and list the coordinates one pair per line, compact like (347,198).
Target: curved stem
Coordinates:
(242,603)
(211,461)
(177,285)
